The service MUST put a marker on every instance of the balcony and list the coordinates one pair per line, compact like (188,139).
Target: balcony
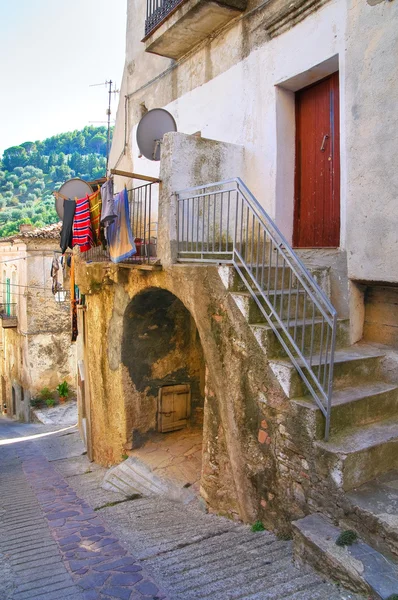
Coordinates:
(173,27)
(143,204)
(8,315)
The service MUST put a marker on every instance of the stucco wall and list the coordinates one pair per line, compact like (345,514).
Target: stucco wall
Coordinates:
(37,353)
(372,124)
(227,89)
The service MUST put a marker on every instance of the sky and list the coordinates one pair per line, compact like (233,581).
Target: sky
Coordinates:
(51,51)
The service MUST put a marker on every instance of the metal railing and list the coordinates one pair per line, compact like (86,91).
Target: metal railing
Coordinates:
(8,310)
(157,11)
(223,223)
(142,211)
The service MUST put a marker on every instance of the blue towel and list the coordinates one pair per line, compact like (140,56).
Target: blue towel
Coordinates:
(118,233)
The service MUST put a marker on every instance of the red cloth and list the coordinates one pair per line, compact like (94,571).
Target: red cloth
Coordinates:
(82,232)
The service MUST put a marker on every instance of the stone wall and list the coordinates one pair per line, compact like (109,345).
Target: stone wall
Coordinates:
(37,353)
(258,458)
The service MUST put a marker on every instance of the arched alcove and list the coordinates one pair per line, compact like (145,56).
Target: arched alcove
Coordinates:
(163,357)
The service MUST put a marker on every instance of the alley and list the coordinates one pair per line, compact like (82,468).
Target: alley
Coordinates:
(63,537)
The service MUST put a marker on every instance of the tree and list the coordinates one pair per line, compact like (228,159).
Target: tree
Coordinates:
(15,156)
(13,178)
(29,147)
(8,186)
(98,144)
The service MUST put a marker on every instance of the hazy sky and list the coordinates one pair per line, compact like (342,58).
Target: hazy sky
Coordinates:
(50,53)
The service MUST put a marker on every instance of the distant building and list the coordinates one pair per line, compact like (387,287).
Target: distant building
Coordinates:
(36,350)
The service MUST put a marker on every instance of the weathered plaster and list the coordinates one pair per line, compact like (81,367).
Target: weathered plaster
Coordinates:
(372,123)
(38,353)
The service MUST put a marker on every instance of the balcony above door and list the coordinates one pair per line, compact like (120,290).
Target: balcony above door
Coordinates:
(8,315)
(174,27)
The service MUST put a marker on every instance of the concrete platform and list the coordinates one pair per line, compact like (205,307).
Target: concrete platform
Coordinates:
(359,567)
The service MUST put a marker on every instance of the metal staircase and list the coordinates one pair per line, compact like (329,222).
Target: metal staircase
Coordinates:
(222,222)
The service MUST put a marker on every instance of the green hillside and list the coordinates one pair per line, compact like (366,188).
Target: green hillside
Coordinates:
(29,173)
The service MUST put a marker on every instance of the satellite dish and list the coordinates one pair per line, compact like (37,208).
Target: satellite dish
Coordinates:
(73,188)
(151,129)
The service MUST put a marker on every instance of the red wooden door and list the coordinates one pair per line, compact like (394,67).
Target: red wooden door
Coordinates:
(317,175)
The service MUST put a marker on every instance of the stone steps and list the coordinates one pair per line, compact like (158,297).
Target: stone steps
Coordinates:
(356,405)
(352,366)
(359,454)
(363,442)
(301,331)
(372,510)
(288,306)
(359,566)
(271,277)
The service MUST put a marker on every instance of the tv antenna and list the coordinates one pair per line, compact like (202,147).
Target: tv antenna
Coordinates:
(151,129)
(111,90)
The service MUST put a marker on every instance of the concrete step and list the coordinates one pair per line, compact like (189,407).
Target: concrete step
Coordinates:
(133,476)
(359,454)
(358,567)
(289,307)
(353,366)
(277,278)
(373,511)
(305,334)
(351,406)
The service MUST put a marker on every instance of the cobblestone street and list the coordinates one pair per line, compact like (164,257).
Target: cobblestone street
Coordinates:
(63,537)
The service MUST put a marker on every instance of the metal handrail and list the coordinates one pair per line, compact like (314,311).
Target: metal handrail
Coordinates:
(222,222)
(8,310)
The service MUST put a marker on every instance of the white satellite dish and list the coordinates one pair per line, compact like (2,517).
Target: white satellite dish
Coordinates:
(151,129)
(73,188)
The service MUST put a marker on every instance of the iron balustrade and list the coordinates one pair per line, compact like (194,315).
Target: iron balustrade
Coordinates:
(8,309)
(142,211)
(223,222)
(157,11)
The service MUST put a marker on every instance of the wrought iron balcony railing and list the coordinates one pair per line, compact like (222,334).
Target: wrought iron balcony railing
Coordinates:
(143,221)
(8,310)
(8,314)
(157,11)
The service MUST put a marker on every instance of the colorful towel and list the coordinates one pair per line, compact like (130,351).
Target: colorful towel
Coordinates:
(95,216)
(119,236)
(108,213)
(82,233)
(73,303)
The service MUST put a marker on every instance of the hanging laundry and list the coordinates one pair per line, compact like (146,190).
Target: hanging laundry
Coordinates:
(95,216)
(73,301)
(108,213)
(119,236)
(82,233)
(56,286)
(67,224)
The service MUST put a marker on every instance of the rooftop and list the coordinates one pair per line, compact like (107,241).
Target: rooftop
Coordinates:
(48,232)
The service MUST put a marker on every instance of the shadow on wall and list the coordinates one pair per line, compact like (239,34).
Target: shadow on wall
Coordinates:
(161,347)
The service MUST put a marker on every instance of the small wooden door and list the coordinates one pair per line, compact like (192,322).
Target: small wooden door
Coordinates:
(317,175)
(174,407)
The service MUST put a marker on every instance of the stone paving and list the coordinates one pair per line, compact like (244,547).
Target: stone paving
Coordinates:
(176,456)
(98,563)
(62,537)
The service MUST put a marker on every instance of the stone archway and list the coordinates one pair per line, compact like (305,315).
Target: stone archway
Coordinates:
(165,374)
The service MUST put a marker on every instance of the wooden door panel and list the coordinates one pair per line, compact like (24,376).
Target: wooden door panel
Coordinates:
(317,176)
(174,407)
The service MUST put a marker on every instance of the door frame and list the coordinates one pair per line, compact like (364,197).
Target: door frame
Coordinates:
(285,106)
(334,152)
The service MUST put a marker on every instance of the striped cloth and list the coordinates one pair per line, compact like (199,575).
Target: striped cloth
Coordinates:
(82,232)
(95,216)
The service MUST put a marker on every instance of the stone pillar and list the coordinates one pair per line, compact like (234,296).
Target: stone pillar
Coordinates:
(188,161)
